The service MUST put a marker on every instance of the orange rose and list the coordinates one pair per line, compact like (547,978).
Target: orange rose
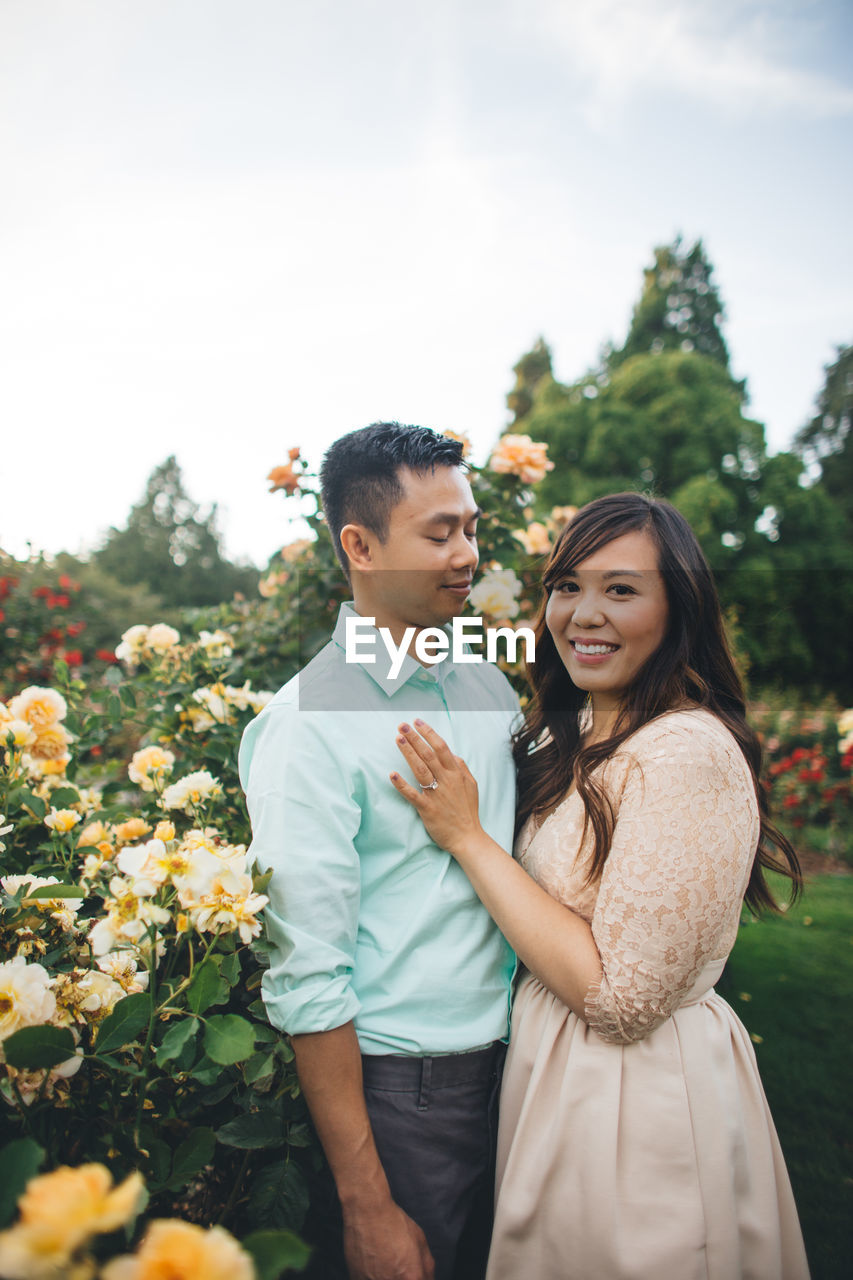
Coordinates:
(133,829)
(520,456)
(284,478)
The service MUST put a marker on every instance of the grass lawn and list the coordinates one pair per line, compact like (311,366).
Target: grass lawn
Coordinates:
(790,980)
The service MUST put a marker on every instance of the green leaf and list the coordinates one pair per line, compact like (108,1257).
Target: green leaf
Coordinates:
(261,881)
(267,1034)
(206,988)
(214,1091)
(20,1160)
(300,1135)
(228,1038)
(56,891)
(64,797)
(206,1071)
(124,1023)
(158,1161)
(114,708)
(251,1132)
(127,695)
(174,1040)
(259,1066)
(33,802)
(275,1252)
(34,1048)
(278,1197)
(229,967)
(193,1154)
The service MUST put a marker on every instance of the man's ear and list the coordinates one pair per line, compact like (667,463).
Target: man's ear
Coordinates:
(357,541)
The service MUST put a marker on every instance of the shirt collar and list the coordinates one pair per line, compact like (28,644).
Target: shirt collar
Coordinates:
(410,670)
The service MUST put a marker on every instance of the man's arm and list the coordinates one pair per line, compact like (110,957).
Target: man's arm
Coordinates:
(381,1242)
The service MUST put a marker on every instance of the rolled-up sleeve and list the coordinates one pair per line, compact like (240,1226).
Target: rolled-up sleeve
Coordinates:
(305,820)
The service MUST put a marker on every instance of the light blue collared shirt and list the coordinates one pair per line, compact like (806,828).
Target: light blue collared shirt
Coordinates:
(368,919)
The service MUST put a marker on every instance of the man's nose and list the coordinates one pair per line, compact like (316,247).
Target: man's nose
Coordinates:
(465,554)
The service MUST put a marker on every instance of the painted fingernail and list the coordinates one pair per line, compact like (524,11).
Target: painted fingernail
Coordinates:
(420,722)
(407,728)
(401,741)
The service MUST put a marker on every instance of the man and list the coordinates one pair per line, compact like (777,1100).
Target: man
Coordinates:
(386,971)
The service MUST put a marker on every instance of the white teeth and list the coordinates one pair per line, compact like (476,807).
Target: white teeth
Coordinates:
(594,648)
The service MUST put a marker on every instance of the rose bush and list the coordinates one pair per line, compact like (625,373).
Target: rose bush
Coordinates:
(809,769)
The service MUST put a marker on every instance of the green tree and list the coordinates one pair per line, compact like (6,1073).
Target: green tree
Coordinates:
(529,372)
(679,308)
(827,440)
(172,547)
(789,585)
(672,423)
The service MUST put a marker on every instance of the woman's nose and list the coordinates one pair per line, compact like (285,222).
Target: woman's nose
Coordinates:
(587,611)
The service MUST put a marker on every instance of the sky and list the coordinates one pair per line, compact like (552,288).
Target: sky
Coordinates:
(229,227)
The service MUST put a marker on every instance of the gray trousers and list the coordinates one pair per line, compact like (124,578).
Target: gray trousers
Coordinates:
(435,1124)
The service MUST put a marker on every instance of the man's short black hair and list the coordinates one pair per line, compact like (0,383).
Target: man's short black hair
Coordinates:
(360,476)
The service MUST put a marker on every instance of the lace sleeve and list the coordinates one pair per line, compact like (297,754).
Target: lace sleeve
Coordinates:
(672,886)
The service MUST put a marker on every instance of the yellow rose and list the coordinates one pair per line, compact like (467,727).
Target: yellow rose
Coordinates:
(164,831)
(62,820)
(21,731)
(49,768)
(61,1210)
(51,742)
(149,766)
(39,707)
(182,1251)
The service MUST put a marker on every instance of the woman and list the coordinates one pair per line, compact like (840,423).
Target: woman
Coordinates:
(635,1138)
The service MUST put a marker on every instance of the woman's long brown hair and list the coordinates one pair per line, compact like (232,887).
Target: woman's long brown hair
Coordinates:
(692,665)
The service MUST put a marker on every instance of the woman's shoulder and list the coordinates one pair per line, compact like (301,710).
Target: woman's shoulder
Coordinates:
(691,734)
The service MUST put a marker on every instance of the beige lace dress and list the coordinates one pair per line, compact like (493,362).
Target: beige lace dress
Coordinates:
(636,1144)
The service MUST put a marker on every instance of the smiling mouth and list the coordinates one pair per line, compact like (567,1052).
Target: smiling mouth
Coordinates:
(587,649)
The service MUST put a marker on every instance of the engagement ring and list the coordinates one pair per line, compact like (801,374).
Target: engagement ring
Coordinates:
(430,786)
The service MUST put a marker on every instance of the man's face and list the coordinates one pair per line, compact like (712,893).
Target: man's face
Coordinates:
(421,574)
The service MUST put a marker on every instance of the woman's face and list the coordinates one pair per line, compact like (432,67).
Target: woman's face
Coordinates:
(608,615)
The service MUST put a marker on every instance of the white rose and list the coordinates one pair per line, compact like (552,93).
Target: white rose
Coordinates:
(26,999)
(496,594)
(161,638)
